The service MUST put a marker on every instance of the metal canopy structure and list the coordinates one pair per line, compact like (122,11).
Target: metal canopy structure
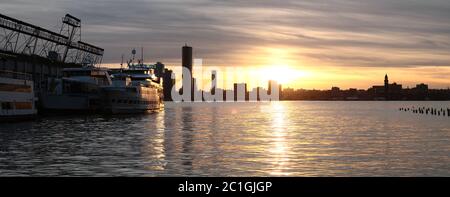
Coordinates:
(23,38)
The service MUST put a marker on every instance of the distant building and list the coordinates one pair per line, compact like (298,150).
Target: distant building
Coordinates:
(228,94)
(195,90)
(186,62)
(269,86)
(240,92)
(213,82)
(280,90)
(186,59)
(422,88)
(386,86)
(335,93)
(387,91)
(260,89)
(159,69)
(168,84)
(351,94)
(274,86)
(224,95)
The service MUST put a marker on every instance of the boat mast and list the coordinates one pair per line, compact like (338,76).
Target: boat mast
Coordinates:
(142,56)
(121,64)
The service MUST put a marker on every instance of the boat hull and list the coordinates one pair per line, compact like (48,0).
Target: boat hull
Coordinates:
(125,100)
(17,99)
(70,103)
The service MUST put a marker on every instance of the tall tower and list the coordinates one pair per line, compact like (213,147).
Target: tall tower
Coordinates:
(386,86)
(168,84)
(186,60)
(386,80)
(213,82)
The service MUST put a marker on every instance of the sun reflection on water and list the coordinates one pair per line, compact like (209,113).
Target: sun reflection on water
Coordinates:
(279,145)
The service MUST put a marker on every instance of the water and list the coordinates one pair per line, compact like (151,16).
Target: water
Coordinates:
(235,139)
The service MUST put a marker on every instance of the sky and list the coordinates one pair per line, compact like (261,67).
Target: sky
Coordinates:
(303,44)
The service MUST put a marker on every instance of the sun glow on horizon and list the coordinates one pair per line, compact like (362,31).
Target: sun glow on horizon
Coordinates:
(283,74)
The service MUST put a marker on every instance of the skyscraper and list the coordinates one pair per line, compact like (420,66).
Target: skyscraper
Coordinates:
(186,60)
(386,82)
(240,91)
(269,86)
(386,87)
(168,84)
(213,82)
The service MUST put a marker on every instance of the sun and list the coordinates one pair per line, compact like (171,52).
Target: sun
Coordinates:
(283,74)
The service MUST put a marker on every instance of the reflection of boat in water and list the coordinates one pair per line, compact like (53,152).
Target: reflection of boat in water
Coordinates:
(78,90)
(17,99)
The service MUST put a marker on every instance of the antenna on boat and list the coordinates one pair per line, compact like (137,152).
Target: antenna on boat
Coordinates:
(121,64)
(142,56)
(133,52)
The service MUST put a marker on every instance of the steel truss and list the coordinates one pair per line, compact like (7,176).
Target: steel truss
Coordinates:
(23,38)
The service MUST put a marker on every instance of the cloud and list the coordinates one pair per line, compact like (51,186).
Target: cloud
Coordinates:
(402,33)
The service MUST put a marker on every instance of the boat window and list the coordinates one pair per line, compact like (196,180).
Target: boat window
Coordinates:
(131,89)
(23,105)
(14,88)
(7,105)
(77,73)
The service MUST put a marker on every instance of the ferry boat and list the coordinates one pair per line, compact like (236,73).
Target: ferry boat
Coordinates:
(17,98)
(129,95)
(135,89)
(92,89)
(78,90)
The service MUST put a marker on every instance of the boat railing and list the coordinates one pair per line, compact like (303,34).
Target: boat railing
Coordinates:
(15,75)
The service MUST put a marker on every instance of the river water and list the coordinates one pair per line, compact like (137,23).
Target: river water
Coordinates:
(300,138)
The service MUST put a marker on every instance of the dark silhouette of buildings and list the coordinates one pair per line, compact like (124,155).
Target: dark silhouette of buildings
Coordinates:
(186,62)
(213,82)
(386,86)
(159,69)
(387,91)
(168,84)
(240,92)
(186,59)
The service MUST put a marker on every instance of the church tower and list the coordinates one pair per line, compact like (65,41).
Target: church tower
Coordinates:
(386,80)
(386,86)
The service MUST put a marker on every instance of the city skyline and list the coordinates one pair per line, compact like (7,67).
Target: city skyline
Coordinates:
(339,43)
(225,90)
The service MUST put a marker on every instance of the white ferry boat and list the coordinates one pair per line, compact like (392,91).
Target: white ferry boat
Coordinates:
(17,98)
(134,90)
(131,96)
(79,90)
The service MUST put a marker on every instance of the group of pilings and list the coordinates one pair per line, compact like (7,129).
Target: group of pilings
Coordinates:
(427,110)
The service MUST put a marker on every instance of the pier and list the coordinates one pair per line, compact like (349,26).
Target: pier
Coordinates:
(433,111)
(43,53)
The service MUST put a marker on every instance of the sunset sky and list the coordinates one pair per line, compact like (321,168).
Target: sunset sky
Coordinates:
(304,44)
